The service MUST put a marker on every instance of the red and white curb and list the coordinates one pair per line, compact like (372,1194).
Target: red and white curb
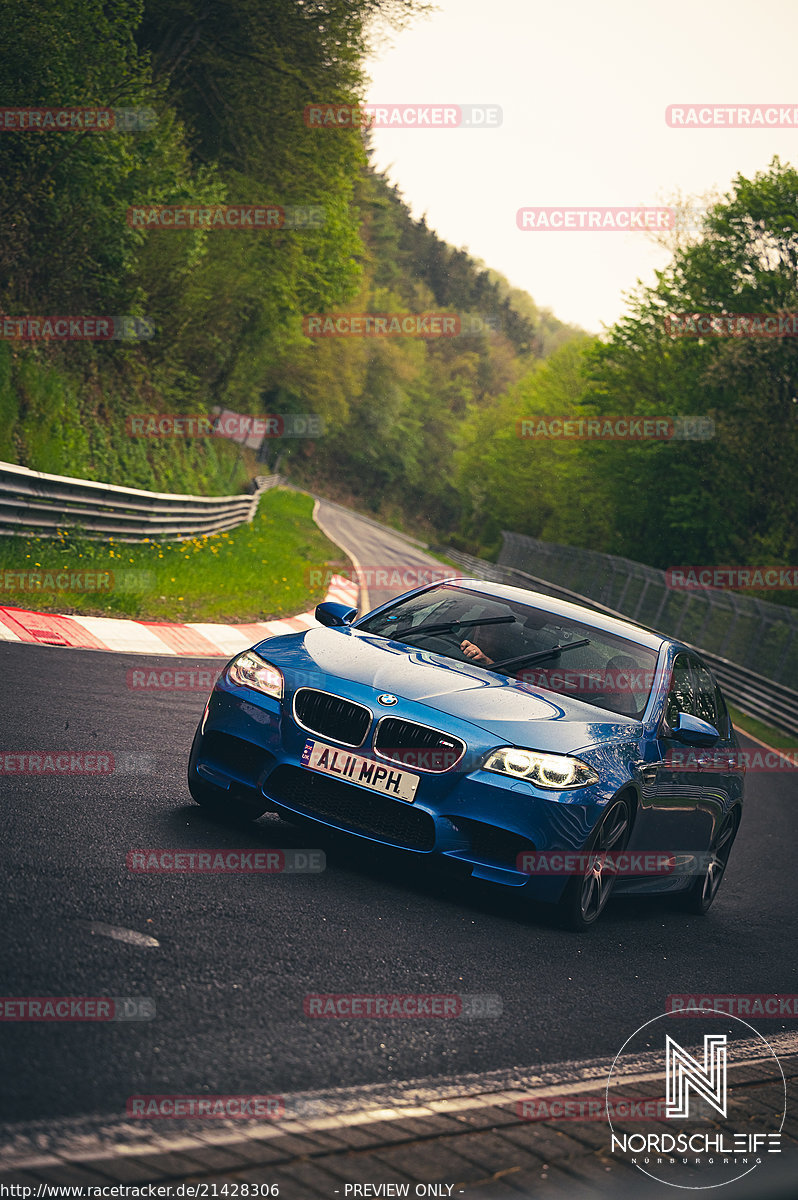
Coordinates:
(197,639)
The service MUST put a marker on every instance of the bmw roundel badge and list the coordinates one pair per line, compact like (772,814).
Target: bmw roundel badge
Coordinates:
(386,698)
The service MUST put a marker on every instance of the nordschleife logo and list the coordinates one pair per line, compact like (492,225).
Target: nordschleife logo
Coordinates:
(709,1135)
(682,1072)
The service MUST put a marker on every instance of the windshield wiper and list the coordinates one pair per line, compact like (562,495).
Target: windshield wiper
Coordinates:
(447,626)
(538,656)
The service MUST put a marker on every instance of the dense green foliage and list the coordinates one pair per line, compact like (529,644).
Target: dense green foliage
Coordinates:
(730,499)
(221,301)
(733,498)
(229,84)
(420,430)
(402,403)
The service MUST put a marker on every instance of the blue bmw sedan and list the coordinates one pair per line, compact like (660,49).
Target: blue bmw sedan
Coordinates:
(534,743)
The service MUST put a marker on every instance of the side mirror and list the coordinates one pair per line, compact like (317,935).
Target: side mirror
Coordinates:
(334,615)
(693,731)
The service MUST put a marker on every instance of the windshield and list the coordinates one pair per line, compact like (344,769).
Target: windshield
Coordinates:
(542,650)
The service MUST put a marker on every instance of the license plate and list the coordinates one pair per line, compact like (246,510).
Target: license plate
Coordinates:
(363,771)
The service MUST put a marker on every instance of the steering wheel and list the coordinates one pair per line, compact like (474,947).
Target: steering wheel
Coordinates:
(450,641)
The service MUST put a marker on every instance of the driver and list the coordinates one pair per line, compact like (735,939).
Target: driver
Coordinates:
(503,642)
(526,635)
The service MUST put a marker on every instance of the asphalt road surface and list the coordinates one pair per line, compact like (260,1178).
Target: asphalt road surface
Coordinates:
(388,563)
(234,955)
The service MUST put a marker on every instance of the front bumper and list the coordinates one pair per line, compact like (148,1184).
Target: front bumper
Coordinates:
(249,744)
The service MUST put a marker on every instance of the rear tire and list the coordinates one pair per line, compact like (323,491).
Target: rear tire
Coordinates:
(586,895)
(700,896)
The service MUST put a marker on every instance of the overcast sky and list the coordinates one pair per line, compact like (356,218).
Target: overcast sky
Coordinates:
(583,87)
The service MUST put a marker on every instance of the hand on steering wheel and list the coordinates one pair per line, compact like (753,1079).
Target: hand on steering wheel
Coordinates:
(474,654)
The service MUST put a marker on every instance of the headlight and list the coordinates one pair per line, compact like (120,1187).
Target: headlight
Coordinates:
(555,771)
(249,670)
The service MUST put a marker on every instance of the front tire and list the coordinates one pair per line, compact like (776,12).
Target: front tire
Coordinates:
(227,805)
(586,895)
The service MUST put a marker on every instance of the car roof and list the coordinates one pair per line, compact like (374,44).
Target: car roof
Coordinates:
(563,608)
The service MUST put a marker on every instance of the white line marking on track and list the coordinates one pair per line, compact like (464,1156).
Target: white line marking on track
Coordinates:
(131,936)
(72,1138)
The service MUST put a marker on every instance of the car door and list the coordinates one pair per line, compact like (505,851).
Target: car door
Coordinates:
(683,812)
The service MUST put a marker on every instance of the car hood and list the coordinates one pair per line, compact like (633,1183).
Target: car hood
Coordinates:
(511,711)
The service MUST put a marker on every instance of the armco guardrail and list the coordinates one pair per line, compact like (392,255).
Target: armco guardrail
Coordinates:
(754,694)
(755,634)
(32,502)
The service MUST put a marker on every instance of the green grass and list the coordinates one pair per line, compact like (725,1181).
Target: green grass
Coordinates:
(71,420)
(758,729)
(267,569)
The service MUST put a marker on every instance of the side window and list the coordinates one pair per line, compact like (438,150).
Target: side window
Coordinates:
(681,697)
(705,694)
(723,713)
